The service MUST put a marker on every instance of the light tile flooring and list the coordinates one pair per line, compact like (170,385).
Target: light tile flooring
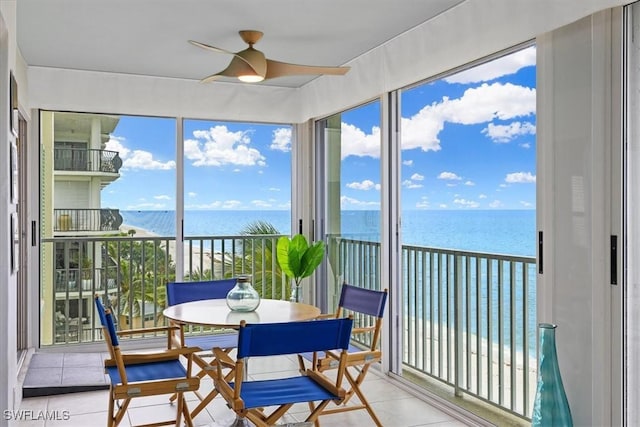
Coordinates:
(394,406)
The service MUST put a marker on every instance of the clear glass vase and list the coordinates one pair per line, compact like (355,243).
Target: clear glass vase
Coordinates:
(550,407)
(243,297)
(296,293)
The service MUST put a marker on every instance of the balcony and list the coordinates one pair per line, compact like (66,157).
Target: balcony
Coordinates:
(86,160)
(73,220)
(467,318)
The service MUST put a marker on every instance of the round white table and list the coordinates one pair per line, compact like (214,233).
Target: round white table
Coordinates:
(216,313)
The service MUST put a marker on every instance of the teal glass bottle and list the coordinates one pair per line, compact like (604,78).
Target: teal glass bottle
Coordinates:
(550,407)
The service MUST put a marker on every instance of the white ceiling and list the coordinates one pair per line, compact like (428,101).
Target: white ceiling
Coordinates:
(149,37)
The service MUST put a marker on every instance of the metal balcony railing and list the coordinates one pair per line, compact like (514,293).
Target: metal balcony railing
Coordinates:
(468,318)
(86,160)
(87,219)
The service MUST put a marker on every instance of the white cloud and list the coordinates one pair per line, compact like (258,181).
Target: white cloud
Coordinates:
(162,197)
(470,183)
(520,178)
(422,204)
(262,204)
(274,189)
(417,177)
(442,206)
(115,143)
(449,176)
(482,196)
(281,140)
(356,142)
(504,101)
(192,194)
(147,206)
(503,66)
(466,203)
(367,184)
(217,204)
(495,204)
(407,162)
(505,133)
(525,145)
(140,159)
(231,204)
(218,146)
(351,202)
(526,204)
(136,159)
(407,183)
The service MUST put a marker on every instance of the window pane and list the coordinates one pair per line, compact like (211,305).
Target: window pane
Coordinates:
(107,195)
(237,181)
(351,142)
(468,179)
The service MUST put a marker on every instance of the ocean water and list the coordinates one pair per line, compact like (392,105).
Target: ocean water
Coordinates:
(510,232)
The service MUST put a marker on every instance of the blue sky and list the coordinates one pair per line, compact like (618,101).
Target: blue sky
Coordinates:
(468,142)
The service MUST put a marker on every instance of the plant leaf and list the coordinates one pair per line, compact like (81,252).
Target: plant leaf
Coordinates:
(296,258)
(312,258)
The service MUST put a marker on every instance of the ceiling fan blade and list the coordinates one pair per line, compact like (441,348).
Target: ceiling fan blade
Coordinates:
(213,48)
(238,66)
(255,59)
(280,69)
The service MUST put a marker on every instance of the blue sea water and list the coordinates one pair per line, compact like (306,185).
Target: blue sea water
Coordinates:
(510,232)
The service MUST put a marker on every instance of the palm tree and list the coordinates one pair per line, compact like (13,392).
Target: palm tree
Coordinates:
(144,269)
(256,256)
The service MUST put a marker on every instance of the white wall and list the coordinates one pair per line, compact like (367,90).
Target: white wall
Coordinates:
(578,133)
(8,352)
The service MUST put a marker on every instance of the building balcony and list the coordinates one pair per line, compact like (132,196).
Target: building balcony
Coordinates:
(82,161)
(86,220)
(467,318)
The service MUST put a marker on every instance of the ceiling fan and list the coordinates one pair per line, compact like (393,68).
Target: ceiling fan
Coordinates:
(250,65)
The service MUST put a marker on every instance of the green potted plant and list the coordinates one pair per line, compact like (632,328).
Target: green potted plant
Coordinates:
(298,259)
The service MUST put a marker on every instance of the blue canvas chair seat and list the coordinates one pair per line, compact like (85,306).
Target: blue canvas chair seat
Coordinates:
(182,292)
(367,308)
(134,375)
(251,399)
(148,371)
(288,390)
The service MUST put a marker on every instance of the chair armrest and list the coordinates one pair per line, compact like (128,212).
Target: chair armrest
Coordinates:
(326,316)
(223,358)
(362,330)
(147,330)
(326,383)
(171,354)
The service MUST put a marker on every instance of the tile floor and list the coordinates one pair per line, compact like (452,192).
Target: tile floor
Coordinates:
(394,406)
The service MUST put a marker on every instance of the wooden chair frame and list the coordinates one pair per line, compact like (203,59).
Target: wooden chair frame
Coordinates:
(361,304)
(134,375)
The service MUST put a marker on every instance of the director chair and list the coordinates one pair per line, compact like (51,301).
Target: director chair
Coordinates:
(134,375)
(263,402)
(367,308)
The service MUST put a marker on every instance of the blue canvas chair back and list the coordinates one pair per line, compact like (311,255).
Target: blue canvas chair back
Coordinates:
(180,292)
(106,319)
(270,339)
(365,301)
